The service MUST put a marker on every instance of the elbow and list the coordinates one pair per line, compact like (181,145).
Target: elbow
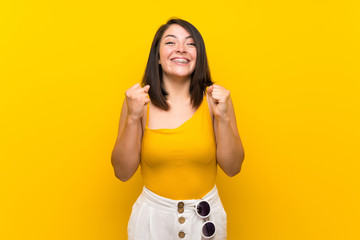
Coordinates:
(122,177)
(118,171)
(236,170)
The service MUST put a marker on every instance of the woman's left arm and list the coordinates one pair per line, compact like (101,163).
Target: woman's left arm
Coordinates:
(229,150)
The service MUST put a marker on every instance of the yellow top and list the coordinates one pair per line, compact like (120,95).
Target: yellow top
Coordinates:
(180,163)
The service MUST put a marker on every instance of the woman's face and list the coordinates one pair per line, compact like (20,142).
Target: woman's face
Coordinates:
(177,52)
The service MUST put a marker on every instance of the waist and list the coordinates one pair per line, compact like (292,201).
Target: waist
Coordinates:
(167,204)
(178,182)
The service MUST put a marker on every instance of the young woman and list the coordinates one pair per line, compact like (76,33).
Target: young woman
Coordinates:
(177,126)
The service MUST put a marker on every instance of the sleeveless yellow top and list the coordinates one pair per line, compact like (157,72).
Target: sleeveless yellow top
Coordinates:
(180,163)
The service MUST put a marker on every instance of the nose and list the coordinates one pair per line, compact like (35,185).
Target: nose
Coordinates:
(180,49)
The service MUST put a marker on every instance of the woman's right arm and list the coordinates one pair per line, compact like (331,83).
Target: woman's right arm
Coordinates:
(125,156)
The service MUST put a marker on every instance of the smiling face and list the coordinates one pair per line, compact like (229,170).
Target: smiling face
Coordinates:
(177,53)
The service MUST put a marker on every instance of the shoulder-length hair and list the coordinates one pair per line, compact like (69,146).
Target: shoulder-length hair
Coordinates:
(153,75)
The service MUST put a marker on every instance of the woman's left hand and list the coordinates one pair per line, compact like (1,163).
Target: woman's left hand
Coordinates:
(219,98)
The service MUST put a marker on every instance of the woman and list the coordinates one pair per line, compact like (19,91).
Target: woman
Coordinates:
(178,127)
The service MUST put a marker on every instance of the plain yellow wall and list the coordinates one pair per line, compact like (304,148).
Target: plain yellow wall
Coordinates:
(293,71)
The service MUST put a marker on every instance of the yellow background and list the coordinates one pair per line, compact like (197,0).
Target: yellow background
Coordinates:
(293,71)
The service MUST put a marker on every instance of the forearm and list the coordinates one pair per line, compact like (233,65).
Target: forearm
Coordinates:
(229,150)
(126,153)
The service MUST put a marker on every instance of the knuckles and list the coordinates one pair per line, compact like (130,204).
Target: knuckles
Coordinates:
(136,97)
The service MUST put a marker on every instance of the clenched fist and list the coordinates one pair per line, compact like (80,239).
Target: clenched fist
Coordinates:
(219,100)
(136,98)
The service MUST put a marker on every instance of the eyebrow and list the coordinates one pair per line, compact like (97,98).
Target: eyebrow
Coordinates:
(170,35)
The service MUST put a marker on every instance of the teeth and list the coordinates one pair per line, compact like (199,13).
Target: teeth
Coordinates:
(179,60)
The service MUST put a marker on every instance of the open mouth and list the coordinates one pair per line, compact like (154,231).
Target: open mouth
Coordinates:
(180,60)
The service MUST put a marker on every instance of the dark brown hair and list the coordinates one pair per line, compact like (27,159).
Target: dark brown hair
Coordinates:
(200,78)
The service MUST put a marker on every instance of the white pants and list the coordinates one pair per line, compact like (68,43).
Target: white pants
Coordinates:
(157,218)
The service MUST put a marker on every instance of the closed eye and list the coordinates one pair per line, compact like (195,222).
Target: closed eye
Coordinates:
(169,43)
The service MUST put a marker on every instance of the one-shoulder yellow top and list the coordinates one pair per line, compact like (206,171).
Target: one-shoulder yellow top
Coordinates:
(180,163)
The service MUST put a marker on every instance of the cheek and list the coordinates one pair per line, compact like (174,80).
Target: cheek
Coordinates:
(164,55)
(193,55)
(162,58)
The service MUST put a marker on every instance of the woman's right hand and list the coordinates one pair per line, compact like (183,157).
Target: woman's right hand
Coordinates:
(136,98)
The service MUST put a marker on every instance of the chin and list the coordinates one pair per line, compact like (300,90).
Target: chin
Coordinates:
(178,74)
(185,76)
(182,74)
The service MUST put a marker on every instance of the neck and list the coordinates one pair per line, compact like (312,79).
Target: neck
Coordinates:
(178,90)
